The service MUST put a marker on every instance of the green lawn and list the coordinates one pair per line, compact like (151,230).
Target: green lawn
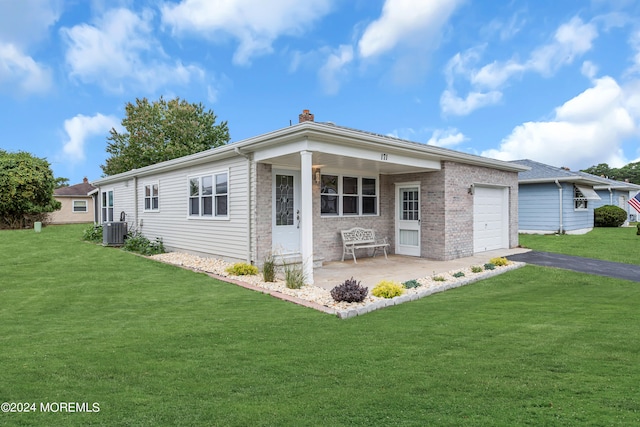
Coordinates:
(157,345)
(620,244)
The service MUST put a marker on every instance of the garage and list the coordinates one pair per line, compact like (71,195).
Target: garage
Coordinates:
(490,218)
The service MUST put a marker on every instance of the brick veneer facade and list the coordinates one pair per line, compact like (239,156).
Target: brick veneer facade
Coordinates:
(445,204)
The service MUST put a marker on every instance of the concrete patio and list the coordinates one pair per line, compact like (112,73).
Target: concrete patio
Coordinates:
(370,271)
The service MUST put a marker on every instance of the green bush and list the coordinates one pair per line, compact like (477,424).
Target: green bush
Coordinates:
(413,283)
(489,266)
(609,216)
(388,289)
(477,269)
(269,269)
(638,232)
(137,242)
(349,291)
(93,233)
(242,269)
(458,274)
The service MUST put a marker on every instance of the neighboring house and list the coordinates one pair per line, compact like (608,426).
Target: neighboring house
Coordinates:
(617,193)
(78,204)
(558,200)
(291,191)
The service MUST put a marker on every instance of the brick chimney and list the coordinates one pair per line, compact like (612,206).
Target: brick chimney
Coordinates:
(85,180)
(306,116)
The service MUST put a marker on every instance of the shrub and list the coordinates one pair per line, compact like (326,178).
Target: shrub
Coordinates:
(269,269)
(242,269)
(439,278)
(489,266)
(609,216)
(413,283)
(93,233)
(458,274)
(499,262)
(477,269)
(293,276)
(388,289)
(638,232)
(137,242)
(349,291)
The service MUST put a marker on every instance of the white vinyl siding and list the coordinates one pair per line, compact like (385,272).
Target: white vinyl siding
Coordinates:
(225,239)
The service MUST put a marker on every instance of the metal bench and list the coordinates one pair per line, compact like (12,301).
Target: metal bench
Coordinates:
(361,238)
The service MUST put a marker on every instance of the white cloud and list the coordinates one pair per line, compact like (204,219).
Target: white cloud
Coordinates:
(586,130)
(333,69)
(19,72)
(451,103)
(446,138)
(254,24)
(405,22)
(119,52)
(80,128)
(571,40)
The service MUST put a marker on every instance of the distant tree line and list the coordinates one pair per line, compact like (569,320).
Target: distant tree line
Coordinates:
(629,172)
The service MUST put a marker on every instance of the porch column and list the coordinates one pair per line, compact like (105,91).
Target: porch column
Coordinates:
(306,215)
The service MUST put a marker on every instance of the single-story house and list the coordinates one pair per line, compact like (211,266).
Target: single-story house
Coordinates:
(557,200)
(78,202)
(291,191)
(617,193)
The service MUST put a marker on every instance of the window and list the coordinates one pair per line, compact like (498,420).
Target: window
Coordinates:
(209,196)
(348,195)
(107,205)
(80,206)
(151,197)
(579,200)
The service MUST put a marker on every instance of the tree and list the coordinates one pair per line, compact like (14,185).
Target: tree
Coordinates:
(26,189)
(601,169)
(62,182)
(162,130)
(629,172)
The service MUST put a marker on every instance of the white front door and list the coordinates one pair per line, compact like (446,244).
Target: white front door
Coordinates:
(408,219)
(286,212)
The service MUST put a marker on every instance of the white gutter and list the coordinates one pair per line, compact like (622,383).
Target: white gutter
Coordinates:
(560,197)
(249,199)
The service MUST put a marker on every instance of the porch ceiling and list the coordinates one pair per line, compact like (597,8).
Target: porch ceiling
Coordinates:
(328,161)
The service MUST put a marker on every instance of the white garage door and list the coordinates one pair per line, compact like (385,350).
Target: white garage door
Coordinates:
(490,219)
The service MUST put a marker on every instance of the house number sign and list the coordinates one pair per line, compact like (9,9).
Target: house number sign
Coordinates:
(384,156)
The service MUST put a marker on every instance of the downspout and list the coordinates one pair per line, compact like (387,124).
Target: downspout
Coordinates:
(560,197)
(610,196)
(135,202)
(249,199)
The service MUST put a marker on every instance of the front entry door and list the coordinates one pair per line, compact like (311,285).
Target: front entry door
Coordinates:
(286,212)
(408,220)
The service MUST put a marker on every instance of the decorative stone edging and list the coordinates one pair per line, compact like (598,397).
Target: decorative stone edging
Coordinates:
(320,299)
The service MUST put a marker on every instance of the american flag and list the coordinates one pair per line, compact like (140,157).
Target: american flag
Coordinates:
(635,202)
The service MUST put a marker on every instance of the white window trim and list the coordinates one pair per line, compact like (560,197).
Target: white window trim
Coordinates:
(144,197)
(579,199)
(213,216)
(107,190)
(360,196)
(86,206)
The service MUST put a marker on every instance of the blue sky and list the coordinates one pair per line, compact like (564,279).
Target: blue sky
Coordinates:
(553,81)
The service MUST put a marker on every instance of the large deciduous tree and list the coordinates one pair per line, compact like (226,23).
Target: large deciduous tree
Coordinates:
(26,189)
(630,172)
(162,130)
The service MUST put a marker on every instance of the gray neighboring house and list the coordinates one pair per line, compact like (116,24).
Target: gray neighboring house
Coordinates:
(291,191)
(558,200)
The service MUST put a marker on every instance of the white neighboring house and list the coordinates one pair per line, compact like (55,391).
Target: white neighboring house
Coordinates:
(291,191)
